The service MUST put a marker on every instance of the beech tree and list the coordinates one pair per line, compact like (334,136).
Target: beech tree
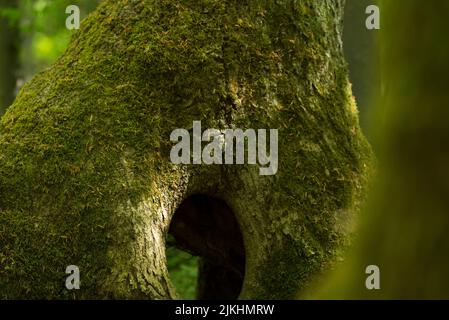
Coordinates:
(85,174)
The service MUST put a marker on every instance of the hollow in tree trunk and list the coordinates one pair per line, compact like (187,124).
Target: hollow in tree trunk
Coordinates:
(85,174)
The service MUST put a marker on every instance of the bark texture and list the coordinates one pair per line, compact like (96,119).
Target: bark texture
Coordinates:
(404,231)
(85,176)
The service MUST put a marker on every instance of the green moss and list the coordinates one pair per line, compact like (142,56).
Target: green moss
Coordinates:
(85,176)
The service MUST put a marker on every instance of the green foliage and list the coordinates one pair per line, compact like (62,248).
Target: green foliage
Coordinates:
(43,25)
(11,14)
(183,270)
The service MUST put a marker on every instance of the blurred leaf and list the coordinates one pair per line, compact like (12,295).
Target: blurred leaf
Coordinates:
(183,269)
(49,47)
(11,14)
(40,5)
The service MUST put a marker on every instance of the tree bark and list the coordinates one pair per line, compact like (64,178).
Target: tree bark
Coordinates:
(85,175)
(8,57)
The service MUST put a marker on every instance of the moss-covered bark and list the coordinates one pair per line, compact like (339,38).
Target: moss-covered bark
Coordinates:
(85,176)
(406,226)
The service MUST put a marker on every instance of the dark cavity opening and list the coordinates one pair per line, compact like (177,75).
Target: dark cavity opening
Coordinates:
(206,227)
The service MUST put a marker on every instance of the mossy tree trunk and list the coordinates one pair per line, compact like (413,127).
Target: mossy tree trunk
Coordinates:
(406,225)
(9,56)
(85,176)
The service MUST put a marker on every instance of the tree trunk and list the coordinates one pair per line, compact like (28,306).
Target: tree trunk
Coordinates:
(405,228)
(8,57)
(85,174)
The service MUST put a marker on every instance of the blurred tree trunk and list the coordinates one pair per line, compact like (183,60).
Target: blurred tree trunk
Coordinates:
(85,173)
(405,230)
(9,41)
